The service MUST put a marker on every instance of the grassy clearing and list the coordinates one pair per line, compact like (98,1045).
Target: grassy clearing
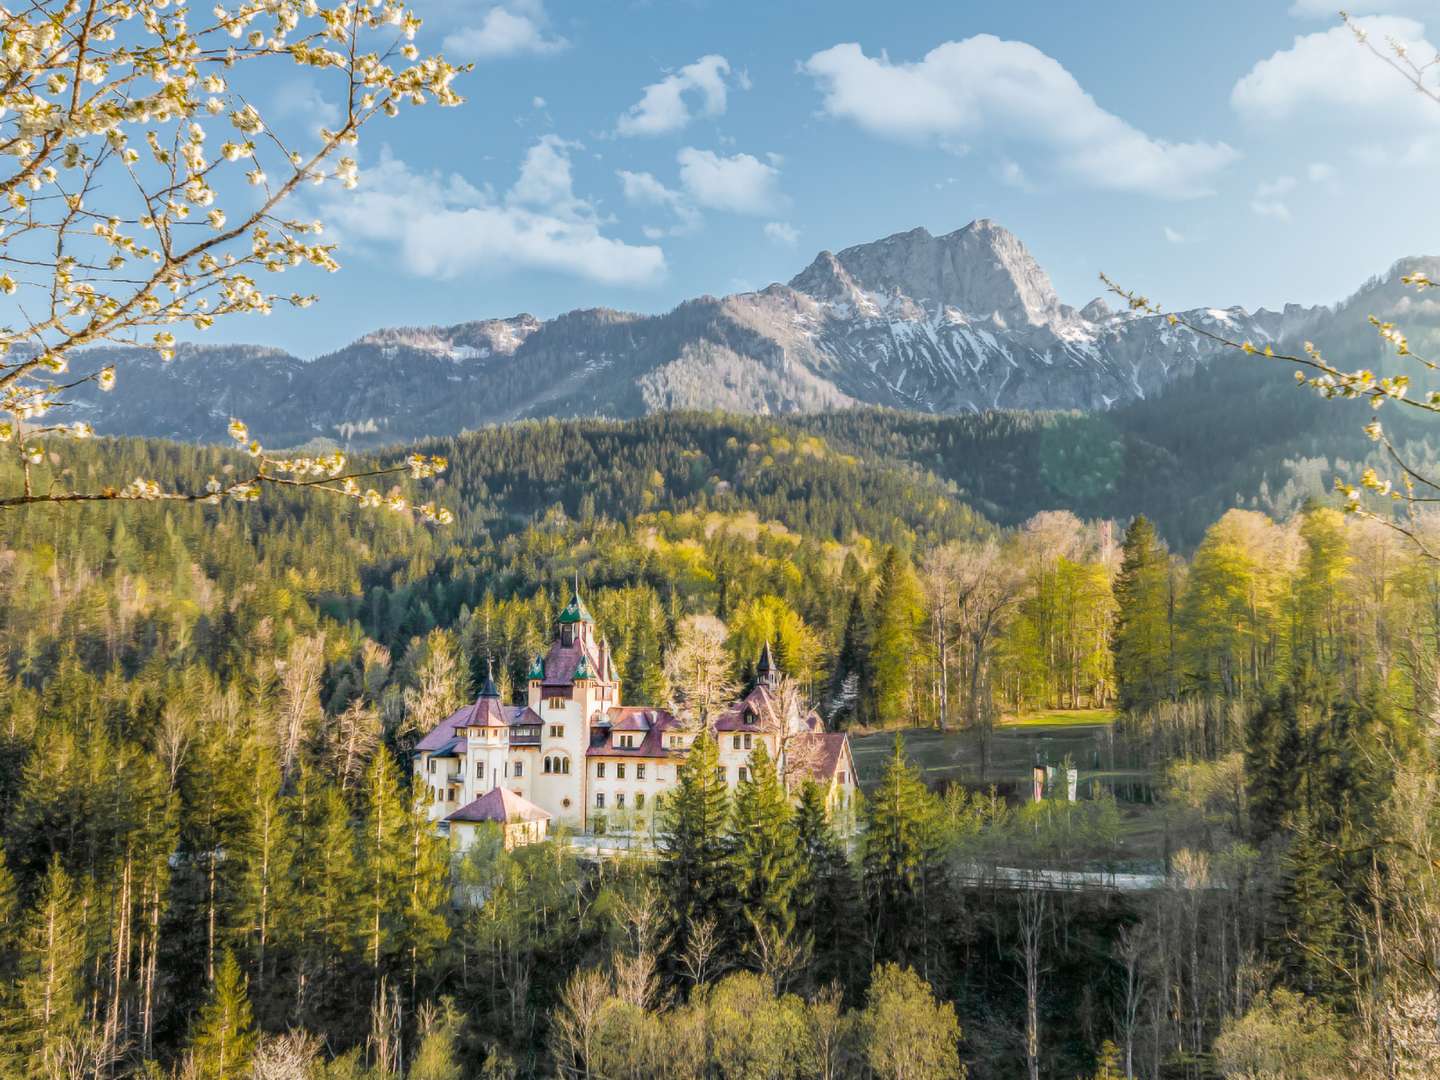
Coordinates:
(1052,718)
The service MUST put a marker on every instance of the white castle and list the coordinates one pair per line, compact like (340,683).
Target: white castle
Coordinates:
(575,755)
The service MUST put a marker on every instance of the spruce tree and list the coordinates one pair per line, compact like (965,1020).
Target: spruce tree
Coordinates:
(327,910)
(45,1006)
(827,900)
(850,683)
(384,844)
(898,617)
(1312,909)
(694,869)
(1141,642)
(901,863)
(764,860)
(223,1041)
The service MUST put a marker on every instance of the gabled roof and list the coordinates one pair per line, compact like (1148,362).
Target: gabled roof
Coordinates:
(818,755)
(500,805)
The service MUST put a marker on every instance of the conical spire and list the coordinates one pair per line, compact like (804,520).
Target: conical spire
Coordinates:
(766,672)
(490,690)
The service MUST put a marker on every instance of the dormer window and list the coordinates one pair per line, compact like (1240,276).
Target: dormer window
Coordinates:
(626,742)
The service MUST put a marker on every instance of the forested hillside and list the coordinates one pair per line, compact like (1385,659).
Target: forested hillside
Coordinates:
(211,850)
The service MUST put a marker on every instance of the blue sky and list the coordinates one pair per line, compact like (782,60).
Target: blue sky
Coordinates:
(632,155)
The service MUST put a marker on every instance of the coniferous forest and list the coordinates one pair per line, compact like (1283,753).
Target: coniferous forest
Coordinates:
(215,864)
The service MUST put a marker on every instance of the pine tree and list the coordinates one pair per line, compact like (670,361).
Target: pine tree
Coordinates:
(1274,752)
(384,844)
(897,621)
(1142,638)
(327,910)
(45,1010)
(223,1041)
(1312,909)
(827,899)
(763,856)
(9,915)
(694,871)
(901,863)
(852,666)
(267,852)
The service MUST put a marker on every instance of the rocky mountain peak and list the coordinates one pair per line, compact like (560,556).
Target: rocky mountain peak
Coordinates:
(982,270)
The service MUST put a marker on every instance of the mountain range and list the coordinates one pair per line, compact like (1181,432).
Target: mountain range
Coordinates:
(964,322)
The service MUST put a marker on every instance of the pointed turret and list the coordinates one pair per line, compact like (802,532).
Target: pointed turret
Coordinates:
(490,690)
(766,672)
(576,611)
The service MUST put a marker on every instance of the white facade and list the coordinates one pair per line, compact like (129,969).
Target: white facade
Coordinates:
(574,751)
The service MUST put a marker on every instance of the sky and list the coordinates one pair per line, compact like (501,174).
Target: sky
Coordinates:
(635,154)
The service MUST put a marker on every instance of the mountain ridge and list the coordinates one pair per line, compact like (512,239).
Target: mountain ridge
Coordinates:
(962,322)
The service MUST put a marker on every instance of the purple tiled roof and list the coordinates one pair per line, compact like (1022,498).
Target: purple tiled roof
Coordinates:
(443,732)
(562,660)
(483,712)
(819,754)
(501,805)
(650,724)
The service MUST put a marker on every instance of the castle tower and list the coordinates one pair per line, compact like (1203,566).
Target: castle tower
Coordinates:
(569,686)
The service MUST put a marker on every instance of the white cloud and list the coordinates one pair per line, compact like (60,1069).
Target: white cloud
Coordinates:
(505,30)
(537,102)
(1329,74)
(665,106)
(782,233)
(642,189)
(442,226)
(1269,198)
(1173,236)
(740,184)
(1320,172)
(985,85)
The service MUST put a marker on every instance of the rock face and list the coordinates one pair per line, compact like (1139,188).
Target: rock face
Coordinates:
(964,321)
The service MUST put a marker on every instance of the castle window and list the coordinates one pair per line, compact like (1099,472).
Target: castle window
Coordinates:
(519,768)
(620,800)
(546,767)
(639,800)
(720,774)
(480,770)
(600,770)
(735,742)
(742,773)
(639,772)
(747,740)
(557,731)
(431,763)
(564,764)
(555,703)
(620,771)
(599,800)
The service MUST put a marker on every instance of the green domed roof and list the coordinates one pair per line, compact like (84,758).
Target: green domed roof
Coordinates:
(582,669)
(576,611)
(537,667)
